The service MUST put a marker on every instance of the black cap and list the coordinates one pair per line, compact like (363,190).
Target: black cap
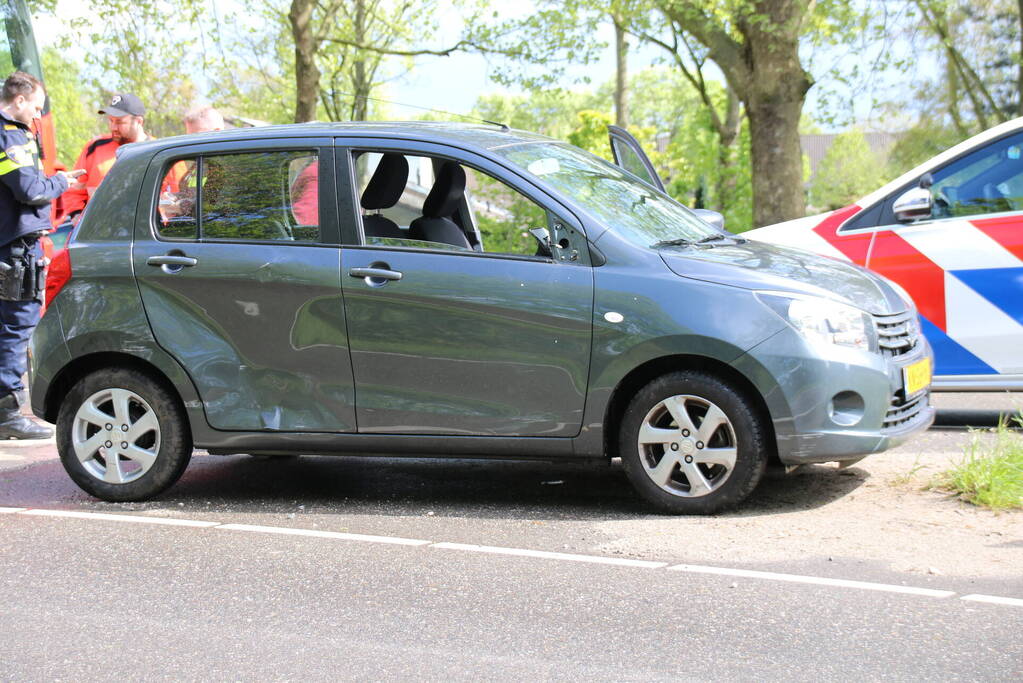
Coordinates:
(124,104)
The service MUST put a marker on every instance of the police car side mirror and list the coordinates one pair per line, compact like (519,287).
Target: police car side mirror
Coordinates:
(913,205)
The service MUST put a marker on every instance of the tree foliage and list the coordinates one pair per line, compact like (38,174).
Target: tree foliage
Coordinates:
(72,107)
(849,170)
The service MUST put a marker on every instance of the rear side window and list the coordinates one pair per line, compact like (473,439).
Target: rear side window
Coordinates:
(258,196)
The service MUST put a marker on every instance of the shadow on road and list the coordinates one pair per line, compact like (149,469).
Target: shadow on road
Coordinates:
(402,486)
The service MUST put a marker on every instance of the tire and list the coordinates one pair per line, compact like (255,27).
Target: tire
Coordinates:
(678,461)
(129,459)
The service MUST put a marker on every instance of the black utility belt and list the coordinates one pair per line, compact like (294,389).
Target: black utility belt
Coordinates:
(22,275)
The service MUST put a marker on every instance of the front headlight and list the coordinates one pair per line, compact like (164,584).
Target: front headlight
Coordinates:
(824,321)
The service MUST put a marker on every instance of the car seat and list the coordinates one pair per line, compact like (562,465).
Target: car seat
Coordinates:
(382,192)
(435,225)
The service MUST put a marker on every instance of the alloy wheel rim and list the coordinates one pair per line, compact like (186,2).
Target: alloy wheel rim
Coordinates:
(116,436)
(687,446)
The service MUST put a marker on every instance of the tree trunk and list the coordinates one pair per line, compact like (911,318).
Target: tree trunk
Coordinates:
(774,96)
(622,75)
(764,70)
(728,134)
(307,76)
(360,83)
(777,160)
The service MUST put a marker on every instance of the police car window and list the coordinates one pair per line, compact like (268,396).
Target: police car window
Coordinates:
(260,196)
(989,180)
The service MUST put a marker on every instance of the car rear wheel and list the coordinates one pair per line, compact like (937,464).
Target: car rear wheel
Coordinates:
(692,444)
(122,436)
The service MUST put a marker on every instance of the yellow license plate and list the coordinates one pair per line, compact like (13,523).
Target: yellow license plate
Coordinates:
(917,376)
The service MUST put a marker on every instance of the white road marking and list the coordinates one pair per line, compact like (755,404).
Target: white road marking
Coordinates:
(167,521)
(322,534)
(517,552)
(817,580)
(547,555)
(993,599)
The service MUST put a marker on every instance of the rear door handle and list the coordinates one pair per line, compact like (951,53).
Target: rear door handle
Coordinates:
(171,260)
(375,273)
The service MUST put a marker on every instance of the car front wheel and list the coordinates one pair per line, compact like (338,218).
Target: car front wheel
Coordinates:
(122,436)
(692,444)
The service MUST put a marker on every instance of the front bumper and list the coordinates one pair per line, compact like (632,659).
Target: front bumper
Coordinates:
(832,404)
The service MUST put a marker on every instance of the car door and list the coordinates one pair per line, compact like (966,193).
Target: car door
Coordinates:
(479,335)
(238,264)
(629,154)
(962,264)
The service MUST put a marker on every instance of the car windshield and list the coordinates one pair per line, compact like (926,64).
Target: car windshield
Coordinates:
(632,208)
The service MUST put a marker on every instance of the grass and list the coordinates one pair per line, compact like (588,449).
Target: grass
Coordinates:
(990,474)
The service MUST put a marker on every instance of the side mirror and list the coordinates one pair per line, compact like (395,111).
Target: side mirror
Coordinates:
(543,242)
(711,217)
(914,204)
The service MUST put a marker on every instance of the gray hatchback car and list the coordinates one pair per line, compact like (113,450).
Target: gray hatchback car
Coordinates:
(457,291)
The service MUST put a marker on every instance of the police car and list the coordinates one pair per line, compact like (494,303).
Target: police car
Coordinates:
(950,232)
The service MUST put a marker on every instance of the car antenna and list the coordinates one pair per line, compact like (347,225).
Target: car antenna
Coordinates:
(503,126)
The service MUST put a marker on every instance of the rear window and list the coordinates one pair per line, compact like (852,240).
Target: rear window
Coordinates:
(257,196)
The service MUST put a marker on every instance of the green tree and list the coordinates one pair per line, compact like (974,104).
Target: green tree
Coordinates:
(74,118)
(848,171)
(139,47)
(980,44)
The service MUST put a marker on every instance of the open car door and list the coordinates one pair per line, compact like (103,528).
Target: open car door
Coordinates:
(630,155)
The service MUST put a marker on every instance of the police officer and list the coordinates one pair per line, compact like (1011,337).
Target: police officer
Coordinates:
(25,196)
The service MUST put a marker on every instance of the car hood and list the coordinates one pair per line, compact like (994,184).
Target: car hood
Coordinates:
(756,265)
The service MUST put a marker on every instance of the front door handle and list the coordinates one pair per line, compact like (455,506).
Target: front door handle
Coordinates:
(172,260)
(375,274)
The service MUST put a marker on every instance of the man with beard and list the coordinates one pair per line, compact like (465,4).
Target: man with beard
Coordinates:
(126,116)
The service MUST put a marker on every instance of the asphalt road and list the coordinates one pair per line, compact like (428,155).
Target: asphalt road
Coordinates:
(454,570)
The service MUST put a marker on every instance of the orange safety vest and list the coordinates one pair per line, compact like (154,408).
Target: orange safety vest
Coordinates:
(96,158)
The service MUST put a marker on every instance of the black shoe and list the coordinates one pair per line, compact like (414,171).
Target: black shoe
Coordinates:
(14,425)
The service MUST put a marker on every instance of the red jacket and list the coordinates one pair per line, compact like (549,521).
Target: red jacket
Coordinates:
(96,158)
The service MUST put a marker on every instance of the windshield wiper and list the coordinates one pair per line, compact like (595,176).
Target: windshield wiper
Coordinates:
(713,238)
(680,242)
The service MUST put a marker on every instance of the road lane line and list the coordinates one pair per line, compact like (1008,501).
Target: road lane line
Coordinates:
(816,580)
(517,552)
(993,599)
(166,521)
(547,555)
(394,540)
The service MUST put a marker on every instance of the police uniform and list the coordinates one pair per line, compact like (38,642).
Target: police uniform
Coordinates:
(25,196)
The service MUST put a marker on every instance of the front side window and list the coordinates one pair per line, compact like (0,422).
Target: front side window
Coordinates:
(257,196)
(989,180)
(433,203)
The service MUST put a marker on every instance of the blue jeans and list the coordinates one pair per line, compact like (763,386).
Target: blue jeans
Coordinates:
(17,320)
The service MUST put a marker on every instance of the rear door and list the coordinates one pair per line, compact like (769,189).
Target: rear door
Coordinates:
(238,264)
(485,337)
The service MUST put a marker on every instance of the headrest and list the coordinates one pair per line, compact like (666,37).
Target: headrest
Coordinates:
(387,184)
(447,191)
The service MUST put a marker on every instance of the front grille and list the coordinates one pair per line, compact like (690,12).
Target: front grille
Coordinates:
(900,412)
(897,334)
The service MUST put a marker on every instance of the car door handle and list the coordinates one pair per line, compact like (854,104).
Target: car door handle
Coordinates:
(375,273)
(172,260)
